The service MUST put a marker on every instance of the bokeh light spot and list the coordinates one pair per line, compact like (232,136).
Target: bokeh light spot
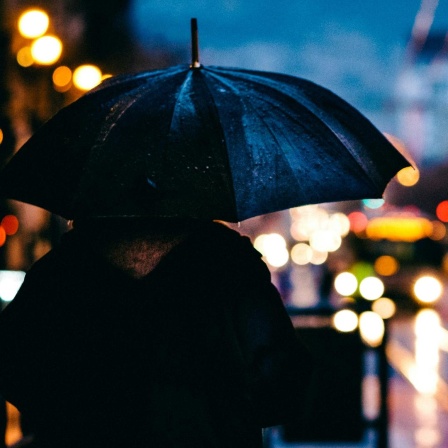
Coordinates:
(33,23)
(345,321)
(11,224)
(442,211)
(386,265)
(345,284)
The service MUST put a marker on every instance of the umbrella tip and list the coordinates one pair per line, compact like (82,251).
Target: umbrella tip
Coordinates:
(194,44)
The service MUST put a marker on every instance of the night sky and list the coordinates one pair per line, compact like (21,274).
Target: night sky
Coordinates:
(354,48)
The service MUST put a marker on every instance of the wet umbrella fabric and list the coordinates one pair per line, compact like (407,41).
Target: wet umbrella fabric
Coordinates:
(209,142)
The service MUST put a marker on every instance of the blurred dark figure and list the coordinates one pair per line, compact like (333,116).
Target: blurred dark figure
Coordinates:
(161,333)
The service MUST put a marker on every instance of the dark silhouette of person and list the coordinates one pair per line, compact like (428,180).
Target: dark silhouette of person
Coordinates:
(151,333)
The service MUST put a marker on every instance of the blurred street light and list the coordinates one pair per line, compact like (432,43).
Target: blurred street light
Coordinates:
(33,23)
(46,50)
(86,77)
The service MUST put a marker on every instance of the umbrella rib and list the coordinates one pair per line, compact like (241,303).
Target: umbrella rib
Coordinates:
(308,106)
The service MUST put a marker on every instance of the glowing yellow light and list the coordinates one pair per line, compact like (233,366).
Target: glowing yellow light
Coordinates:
(46,50)
(33,23)
(386,265)
(385,307)
(371,328)
(106,76)
(399,228)
(340,224)
(427,358)
(1,136)
(273,248)
(345,284)
(408,176)
(86,77)
(301,254)
(428,437)
(318,257)
(345,321)
(371,288)
(325,240)
(427,324)
(62,77)
(24,57)
(428,289)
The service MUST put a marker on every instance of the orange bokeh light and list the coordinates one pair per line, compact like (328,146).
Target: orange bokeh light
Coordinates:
(10,224)
(2,236)
(442,211)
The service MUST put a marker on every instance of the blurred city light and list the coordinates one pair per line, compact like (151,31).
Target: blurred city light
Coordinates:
(62,78)
(325,240)
(386,265)
(1,136)
(373,203)
(425,375)
(442,211)
(358,221)
(371,327)
(10,282)
(2,236)
(385,307)
(371,288)
(86,77)
(345,284)
(340,223)
(345,321)
(33,23)
(428,289)
(46,50)
(319,257)
(408,176)
(399,228)
(301,254)
(11,224)
(24,57)
(438,231)
(273,248)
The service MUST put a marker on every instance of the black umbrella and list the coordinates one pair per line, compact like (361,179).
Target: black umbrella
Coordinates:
(201,142)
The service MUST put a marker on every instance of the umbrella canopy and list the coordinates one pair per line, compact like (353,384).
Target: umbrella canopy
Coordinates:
(201,142)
